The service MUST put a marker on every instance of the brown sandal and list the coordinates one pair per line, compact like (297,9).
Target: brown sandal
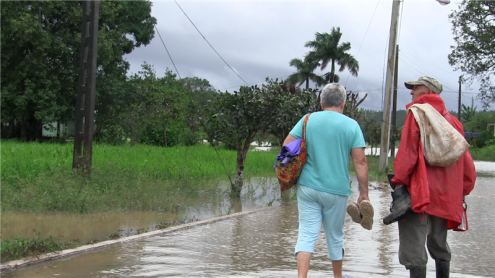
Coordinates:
(367,214)
(353,211)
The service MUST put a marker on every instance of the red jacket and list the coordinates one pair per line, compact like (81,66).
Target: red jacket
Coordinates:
(437,191)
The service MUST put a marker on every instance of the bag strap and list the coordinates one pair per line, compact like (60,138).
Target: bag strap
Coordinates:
(304,126)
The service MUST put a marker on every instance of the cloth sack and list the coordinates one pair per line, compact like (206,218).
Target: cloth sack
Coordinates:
(290,162)
(443,145)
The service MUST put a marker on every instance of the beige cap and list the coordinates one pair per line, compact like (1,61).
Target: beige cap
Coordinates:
(427,81)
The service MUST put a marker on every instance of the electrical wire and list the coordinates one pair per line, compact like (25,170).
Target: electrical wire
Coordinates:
(400,22)
(359,50)
(421,73)
(427,62)
(168,53)
(210,44)
(384,71)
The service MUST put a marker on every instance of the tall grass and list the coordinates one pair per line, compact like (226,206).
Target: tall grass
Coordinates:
(12,249)
(485,154)
(29,160)
(38,177)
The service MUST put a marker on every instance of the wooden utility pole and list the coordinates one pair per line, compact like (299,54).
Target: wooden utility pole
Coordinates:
(385,132)
(394,105)
(459,103)
(85,104)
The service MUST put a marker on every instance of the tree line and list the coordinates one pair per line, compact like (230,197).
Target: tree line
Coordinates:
(40,43)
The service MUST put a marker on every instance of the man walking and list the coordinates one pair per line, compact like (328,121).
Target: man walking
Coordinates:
(427,200)
(324,185)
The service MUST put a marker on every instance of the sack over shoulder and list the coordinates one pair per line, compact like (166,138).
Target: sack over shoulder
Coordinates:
(288,174)
(443,145)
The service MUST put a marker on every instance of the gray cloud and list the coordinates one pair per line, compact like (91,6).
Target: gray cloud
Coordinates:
(259,38)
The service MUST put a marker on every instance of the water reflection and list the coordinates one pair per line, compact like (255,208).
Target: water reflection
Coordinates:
(262,245)
(257,192)
(84,227)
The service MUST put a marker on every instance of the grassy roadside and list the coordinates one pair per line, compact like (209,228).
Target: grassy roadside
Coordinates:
(485,154)
(123,178)
(30,247)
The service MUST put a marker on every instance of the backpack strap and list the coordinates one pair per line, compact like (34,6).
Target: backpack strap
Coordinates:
(304,126)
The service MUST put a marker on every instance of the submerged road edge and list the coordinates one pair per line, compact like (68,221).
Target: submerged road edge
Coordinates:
(12,265)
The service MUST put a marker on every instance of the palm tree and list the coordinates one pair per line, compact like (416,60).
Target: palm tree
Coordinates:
(305,71)
(326,48)
(327,77)
(468,113)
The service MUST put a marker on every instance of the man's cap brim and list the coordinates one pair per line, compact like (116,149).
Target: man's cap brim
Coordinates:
(410,85)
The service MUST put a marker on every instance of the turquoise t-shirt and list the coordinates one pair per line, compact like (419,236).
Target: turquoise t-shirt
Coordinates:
(330,137)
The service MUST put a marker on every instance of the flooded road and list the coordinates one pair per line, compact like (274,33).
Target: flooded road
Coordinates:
(262,245)
(485,167)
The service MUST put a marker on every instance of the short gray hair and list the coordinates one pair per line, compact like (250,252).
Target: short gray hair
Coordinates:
(332,95)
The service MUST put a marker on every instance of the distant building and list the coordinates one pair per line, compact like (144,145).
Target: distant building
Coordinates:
(51,129)
(492,124)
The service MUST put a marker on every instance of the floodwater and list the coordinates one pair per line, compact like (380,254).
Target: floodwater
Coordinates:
(262,244)
(257,192)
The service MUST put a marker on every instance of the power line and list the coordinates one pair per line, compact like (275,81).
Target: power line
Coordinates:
(410,69)
(443,83)
(168,53)
(400,22)
(367,29)
(429,63)
(209,43)
(384,71)
(359,50)
(371,54)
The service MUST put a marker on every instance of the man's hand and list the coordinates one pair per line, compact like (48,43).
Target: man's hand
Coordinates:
(362,197)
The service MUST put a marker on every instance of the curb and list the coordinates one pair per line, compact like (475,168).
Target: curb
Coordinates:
(12,265)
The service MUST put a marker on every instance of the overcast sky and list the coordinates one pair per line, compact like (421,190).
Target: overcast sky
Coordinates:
(259,38)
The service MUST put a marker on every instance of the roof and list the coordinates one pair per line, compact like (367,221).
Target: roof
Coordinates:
(471,134)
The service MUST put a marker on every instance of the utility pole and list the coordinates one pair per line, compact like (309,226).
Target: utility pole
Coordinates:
(85,104)
(459,103)
(385,132)
(394,105)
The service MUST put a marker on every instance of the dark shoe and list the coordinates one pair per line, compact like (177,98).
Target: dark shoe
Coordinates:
(390,177)
(401,204)
(443,269)
(417,272)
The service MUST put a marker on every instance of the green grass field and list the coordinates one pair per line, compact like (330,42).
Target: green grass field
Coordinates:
(485,154)
(39,177)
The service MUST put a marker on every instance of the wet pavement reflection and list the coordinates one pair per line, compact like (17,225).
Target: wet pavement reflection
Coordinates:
(262,245)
